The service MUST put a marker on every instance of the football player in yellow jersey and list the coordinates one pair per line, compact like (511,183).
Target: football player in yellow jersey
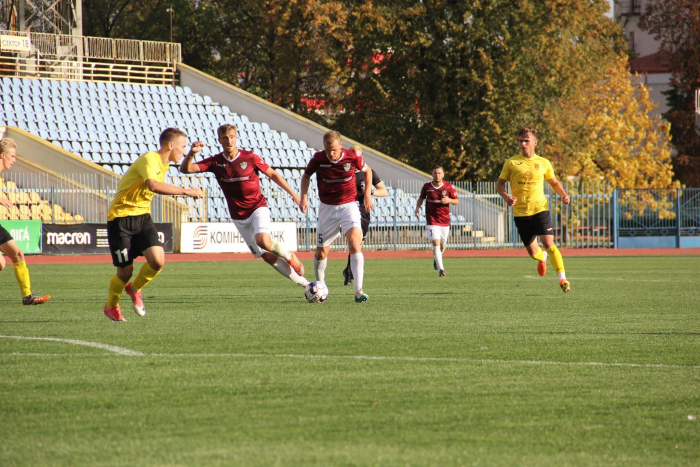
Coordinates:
(8,155)
(130,229)
(526,174)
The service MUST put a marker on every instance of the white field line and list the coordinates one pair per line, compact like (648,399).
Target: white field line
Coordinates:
(427,359)
(134,353)
(97,345)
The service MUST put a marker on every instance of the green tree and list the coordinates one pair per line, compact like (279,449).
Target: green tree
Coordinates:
(194,24)
(459,78)
(676,24)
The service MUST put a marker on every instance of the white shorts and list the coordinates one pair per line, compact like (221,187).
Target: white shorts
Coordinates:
(258,222)
(336,220)
(438,232)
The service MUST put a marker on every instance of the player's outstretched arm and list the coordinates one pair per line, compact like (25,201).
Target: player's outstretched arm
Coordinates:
(164,189)
(501,189)
(304,203)
(275,176)
(418,205)
(369,204)
(7,203)
(187,166)
(380,190)
(556,186)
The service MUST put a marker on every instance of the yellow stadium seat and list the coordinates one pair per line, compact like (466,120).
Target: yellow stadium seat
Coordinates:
(36,212)
(14,213)
(79,219)
(24,212)
(10,185)
(22,197)
(34,198)
(4,213)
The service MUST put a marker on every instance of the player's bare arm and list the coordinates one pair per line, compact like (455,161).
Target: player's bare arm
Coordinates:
(556,186)
(164,189)
(7,203)
(273,175)
(369,204)
(380,190)
(304,203)
(447,200)
(501,188)
(418,205)
(188,166)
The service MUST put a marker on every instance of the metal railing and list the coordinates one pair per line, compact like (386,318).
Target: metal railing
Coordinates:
(76,198)
(595,218)
(54,56)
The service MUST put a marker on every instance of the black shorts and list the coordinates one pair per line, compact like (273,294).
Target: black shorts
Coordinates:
(129,236)
(4,235)
(365,219)
(530,227)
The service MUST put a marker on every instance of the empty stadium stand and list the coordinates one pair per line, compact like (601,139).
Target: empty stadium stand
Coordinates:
(112,124)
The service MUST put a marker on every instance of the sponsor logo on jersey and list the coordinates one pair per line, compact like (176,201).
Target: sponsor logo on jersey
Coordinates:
(237,179)
(527,176)
(336,180)
(199,238)
(347,166)
(244,165)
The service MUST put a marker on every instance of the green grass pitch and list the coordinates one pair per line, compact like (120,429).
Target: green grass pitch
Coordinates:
(491,365)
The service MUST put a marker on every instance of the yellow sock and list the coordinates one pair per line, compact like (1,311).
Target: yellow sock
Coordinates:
(555,258)
(539,256)
(116,287)
(22,276)
(146,275)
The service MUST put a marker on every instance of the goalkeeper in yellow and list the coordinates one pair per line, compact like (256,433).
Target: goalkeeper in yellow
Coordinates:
(130,229)
(526,174)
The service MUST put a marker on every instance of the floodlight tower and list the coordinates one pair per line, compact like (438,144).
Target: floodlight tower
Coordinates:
(43,16)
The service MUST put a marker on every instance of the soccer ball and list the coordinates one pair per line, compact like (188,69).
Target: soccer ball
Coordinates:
(316,292)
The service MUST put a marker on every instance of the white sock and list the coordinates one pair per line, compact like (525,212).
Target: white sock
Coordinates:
(283,267)
(437,256)
(544,260)
(279,250)
(320,269)
(357,264)
(561,275)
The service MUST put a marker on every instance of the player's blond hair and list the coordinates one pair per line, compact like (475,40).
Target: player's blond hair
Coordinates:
(225,128)
(528,130)
(331,137)
(169,134)
(357,149)
(7,143)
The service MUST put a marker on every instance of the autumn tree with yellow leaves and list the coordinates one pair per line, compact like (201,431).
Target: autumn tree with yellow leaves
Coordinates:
(605,132)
